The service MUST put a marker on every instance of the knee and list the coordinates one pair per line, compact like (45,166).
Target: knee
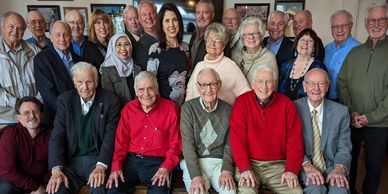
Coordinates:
(315,189)
(157,190)
(247,190)
(338,190)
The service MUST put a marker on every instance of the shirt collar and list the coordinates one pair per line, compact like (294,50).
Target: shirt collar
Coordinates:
(204,107)
(276,42)
(346,41)
(8,49)
(88,102)
(319,108)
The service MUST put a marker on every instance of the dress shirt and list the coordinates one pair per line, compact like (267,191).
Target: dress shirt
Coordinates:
(47,43)
(274,46)
(86,105)
(204,107)
(319,109)
(334,57)
(77,48)
(67,59)
(154,134)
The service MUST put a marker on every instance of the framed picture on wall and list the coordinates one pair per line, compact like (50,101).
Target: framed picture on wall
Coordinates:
(289,6)
(50,13)
(110,9)
(260,10)
(82,10)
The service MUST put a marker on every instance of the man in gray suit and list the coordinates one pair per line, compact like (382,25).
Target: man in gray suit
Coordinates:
(326,135)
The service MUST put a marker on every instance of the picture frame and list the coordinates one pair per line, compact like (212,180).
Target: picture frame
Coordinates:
(51,13)
(110,9)
(82,10)
(260,10)
(289,6)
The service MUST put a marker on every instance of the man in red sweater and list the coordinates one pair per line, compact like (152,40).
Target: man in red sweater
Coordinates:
(266,137)
(24,151)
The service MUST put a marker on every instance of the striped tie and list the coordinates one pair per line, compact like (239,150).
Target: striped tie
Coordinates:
(318,160)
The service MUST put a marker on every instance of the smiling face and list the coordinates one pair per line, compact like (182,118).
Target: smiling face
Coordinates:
(123,48)
(170,25)
(377,23)
(264,84)
(231,21)
(276,27)
(102,29)
(85,83)
(214,45)
(208,87)
(60,36)
(251,37)
(36,23)
(305,45)
(13,30)
(147,93)
(30,115)
(147,17)
(301,22)
(203,15)
(131,21)
(341,28)
(76,23)
(316,84)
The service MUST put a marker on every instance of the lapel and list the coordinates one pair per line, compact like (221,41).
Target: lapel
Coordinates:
(60,66)
(97,107)
(75,109)
(308,132)
(326,122)
(28,53)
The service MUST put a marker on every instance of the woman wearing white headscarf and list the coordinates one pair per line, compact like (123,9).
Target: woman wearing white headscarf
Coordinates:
(118,70)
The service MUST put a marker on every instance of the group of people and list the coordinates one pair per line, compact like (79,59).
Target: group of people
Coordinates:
(233,110)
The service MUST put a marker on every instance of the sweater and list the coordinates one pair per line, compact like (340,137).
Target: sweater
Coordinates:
(272,133)
(362,82)
(205,135)
(233,80)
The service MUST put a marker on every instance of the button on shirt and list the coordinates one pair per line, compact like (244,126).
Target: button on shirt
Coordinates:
(319,109)
(155,133)
(274,46)
(334,58)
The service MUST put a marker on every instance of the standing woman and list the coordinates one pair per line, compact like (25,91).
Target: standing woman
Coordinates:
(253,53)
(169,58)
(118,70)
(292,72)
(100,30)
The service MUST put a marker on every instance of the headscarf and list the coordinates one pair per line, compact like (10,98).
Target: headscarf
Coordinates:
(124,67)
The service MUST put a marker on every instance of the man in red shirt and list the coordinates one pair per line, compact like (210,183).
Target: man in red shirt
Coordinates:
(266,137)
(148,144)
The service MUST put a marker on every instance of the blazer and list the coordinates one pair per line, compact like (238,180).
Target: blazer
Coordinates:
(63,141)
(335,138)
(92,54)
(285,50)
(52,79)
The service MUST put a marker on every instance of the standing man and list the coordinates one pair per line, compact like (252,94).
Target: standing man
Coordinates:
(52,69)
(77,25)
(148,144)
(362,86)
(336,51)
(24,151)
(277,43)
(232,20)
(148,20)
(302,20)
(16,59)
(326,135)
(81,144)
(37,25)
(132,26)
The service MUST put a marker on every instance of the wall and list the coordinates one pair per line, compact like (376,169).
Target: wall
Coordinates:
(321,9)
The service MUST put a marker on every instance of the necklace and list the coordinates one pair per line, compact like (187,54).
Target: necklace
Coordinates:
(294,82)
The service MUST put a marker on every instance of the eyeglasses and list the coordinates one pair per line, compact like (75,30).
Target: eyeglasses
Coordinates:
(216,42)
(226,19)
(204,86)
(372,21)
(264,82)
(59,35)
(35,22)
(253,35)
(337,27)
(315,84)
(131,18)
(78,23)
(28,113)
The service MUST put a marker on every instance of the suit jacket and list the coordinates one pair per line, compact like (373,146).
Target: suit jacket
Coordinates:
(52,79)
(285,50)
(63,141)
(92,54)
(335,138)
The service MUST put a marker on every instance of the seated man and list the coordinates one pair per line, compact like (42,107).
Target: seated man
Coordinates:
(325,164)
(24,151)
(82,140)
(266,137)
(148,143)
(205,138)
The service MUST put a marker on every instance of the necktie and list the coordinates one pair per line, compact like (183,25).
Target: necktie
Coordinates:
(318,159)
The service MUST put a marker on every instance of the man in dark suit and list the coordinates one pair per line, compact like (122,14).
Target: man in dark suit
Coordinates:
(277,43)
(326,135)
(132,26)
(52,69)
(81,144)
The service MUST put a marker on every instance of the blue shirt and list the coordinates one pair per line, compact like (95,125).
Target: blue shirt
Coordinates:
(274,46)
(78,48)
(334,58)
(33,41)
(66,59)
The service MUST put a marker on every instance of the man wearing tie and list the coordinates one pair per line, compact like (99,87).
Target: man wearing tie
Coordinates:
(326,136)
(52,68)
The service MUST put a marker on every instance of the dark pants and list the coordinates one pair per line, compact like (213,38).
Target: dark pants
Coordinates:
(77,172)
(375,141)
(9,188)
(140,169)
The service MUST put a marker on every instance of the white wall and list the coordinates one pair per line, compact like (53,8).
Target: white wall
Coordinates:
(321,10)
